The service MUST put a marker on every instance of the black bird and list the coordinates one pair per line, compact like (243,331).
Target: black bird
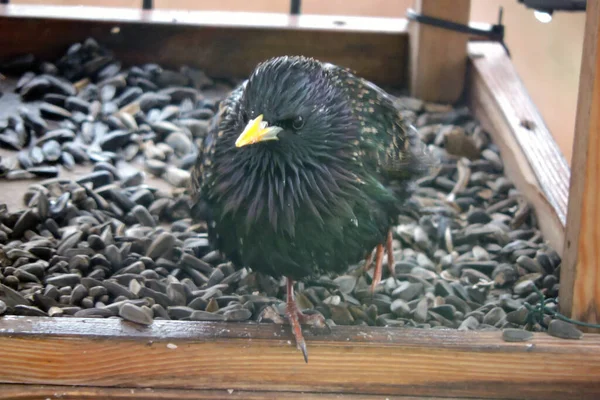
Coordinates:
(304,171)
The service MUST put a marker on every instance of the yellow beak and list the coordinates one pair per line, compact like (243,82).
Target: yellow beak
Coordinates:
(256,131)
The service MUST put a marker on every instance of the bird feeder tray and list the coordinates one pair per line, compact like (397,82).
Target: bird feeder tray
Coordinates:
(86,358)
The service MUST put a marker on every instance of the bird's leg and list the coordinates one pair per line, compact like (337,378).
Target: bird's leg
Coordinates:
(296,317)
(368,261)
(377,272)
(379,261)
(390,254)
(291,309)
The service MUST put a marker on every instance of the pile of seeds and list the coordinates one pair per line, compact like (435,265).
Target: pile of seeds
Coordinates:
(87,108)
(468,251)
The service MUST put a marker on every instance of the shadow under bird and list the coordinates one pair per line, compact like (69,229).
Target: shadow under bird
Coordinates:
(304,171)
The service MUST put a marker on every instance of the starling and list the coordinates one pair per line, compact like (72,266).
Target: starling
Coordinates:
(304,171)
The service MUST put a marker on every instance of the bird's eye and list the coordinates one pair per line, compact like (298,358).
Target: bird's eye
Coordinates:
(298,123)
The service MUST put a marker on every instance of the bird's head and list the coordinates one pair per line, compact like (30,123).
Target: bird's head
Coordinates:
(292,105)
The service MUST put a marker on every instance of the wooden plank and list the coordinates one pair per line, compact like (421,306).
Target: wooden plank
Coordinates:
(438,57)
(224,44)
(350,360)
(37,392)
(580,271)
(208,18)
(532,159)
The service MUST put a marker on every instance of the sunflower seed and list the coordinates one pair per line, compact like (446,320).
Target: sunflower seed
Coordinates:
(236,315)
(54,111)
(135,314)
(199,315)
(27,310)
(564,330)
(160,245)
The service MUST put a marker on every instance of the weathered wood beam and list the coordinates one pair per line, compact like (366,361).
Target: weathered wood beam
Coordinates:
(262,357)
(532,159)
(438,57)
(223,44)
(38,392)
(580,271)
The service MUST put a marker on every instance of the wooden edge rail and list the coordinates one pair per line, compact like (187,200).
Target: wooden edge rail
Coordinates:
(531,157)
(207,18)
(37,392)
(223,44)
(181,355)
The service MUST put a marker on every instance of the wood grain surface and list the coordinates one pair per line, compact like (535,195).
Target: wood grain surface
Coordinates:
(350,360)
(580,272)
(37,392)
(531,157)
(438,57)
(223,44)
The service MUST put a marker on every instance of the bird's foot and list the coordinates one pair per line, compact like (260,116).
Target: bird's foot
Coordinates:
(270,314)
(379,261)
(296,318)
(316,320)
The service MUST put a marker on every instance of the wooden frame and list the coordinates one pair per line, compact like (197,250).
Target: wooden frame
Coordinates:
(179,355)
(89,358)
(532,159)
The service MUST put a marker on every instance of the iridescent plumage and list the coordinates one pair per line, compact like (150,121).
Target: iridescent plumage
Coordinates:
(327,191)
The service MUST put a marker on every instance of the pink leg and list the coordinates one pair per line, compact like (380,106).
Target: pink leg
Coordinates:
(296,317)
(390,254)
(378,263)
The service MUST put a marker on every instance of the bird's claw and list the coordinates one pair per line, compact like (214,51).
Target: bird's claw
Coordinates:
(302,347)
(293,315)
(297,318)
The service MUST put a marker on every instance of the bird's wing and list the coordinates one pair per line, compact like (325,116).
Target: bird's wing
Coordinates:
(203,162)
(390,145)
(201,171)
